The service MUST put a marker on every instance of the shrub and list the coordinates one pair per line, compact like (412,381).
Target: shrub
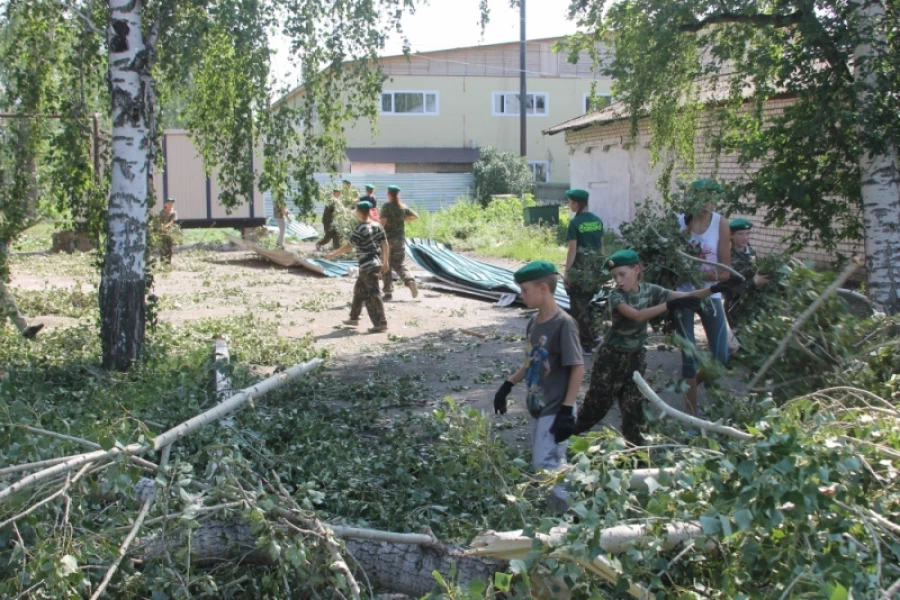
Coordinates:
(498,172)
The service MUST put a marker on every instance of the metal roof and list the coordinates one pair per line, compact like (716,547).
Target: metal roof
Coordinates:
(413,155)
(614,112)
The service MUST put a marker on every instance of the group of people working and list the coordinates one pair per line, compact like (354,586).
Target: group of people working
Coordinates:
(379,240)
(557,342)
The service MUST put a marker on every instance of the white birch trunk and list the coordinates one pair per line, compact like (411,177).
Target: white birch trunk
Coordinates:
(880,177)
(123,284)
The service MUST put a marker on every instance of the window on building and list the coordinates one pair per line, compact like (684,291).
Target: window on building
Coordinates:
(540,170)
(600,101)
(507,103)
(409,103)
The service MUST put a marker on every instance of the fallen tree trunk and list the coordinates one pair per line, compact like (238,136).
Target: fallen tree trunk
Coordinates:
(394,567)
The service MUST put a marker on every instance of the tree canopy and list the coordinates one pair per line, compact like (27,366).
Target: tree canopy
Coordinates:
(835,60)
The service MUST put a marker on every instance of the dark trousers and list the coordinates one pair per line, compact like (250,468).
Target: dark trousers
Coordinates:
(580,309)
(611,380)
(331,235)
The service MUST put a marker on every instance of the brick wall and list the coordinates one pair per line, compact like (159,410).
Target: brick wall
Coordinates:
(727,168)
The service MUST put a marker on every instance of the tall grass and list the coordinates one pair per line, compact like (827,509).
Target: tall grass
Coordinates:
(496,230)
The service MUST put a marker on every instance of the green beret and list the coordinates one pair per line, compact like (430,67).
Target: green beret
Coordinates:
(393,188)
(535,270)
(740,225)
(370,187)
(623,258)
(364,205)
(578,195)
(347,181)
(172,200)
(706,185)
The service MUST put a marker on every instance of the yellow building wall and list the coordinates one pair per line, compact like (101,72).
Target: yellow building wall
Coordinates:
(465,117)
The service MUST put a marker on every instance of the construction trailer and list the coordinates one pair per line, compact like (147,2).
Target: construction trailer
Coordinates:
(183,177)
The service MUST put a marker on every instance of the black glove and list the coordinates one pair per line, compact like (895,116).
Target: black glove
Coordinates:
(688,302)
(722,288)
(563,425)
(500,398)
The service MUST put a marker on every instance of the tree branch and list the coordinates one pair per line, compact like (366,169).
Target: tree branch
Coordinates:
(829,291)
(757,20)
(658,402)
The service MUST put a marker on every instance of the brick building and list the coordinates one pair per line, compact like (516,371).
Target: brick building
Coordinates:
(616,170)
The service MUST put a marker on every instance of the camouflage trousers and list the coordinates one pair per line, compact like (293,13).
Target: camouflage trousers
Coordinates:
(9,309)
(331,235)
(580,309)
(611,380)
(365,292)
(398,264)
(166,243)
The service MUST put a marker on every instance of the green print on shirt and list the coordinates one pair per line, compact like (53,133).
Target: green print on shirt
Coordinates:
(590,226)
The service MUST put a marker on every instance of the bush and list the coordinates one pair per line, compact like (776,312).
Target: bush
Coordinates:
(498,172)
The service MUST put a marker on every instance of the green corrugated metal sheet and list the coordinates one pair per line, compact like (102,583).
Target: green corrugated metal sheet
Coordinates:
(439,260)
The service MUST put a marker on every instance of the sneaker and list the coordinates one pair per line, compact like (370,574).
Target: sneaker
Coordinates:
(387,297)
(413,287)
(378,328)
(351,322)
(587,351)
(32,330)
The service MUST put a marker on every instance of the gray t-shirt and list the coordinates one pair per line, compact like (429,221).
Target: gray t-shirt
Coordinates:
(553,348)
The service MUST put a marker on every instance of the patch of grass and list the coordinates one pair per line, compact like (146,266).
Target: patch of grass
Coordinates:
(497,230)
(76,303)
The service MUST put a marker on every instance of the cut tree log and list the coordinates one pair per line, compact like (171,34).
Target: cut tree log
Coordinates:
(398,568)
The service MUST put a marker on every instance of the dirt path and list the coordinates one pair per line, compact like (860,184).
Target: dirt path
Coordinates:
(424,345)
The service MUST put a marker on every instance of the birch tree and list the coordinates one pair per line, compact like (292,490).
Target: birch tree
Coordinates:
(828,164)
(145,51)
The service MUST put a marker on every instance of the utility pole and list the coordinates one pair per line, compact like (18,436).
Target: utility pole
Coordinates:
(523,96)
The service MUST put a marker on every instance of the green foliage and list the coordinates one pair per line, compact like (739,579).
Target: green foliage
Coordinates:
(495,230)
(499,172)
(759,302)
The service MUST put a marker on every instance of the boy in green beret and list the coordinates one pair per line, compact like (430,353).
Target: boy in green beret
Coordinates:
(371,246)
(631,304)
(743,260)
(370,198)
(394,216)
(584,237)
(553,371)
(168,229)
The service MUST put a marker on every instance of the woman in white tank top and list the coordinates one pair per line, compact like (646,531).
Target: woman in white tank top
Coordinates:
(708,230)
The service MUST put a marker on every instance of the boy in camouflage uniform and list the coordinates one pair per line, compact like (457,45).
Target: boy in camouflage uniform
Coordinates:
(394,216)
(331,233)
(631,304)
(167,229)
(584,238)
(371,246)
(743,260)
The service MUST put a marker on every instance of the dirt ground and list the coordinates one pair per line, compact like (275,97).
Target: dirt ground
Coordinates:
(424,342)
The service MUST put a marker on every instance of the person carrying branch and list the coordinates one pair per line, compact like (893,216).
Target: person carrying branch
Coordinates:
(584,238)
(743,260)
(167,229)
(709,232)
(553,371)
(632,304)
(394,216)
(331,233)
(371,246)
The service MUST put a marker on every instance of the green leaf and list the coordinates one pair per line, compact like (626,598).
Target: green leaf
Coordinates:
(579,444)
(502,581)
(518,567)
(652,484)
(839,592)
(710,525)
(68,565)
(106,441)
(743,518)
(477,588)
(726,525)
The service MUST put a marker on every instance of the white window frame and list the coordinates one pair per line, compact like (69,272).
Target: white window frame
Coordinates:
(546,164)
(424,113)
(546,112)
(587,95)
